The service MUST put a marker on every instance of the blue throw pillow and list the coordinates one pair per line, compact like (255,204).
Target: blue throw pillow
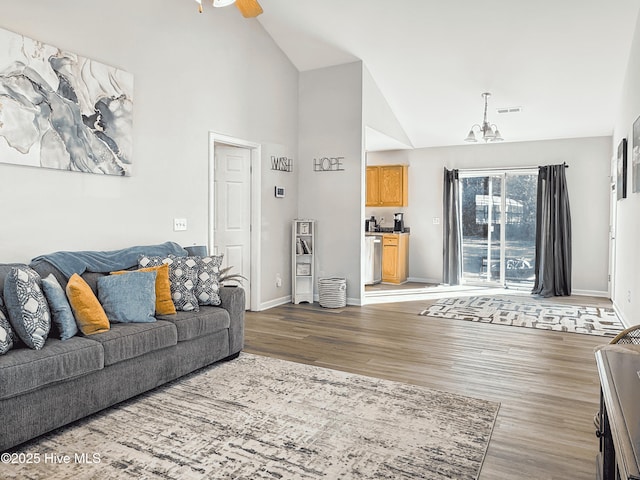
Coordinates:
(129,298)
(61,312)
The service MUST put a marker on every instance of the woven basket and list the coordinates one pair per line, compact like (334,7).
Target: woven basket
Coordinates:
(332,292)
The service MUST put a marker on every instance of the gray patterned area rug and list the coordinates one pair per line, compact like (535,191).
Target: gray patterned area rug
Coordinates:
(262,418)
(529,312)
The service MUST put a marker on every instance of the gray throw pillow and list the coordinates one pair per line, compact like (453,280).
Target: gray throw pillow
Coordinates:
(28,309)
(61,312)
(183,276)
(129,298)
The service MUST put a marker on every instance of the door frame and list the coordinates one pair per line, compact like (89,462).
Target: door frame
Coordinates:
(613,222)
(256,191)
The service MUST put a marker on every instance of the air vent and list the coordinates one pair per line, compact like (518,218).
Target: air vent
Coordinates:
(509,110)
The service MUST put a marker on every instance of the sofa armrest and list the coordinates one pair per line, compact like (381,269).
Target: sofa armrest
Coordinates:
(232,299)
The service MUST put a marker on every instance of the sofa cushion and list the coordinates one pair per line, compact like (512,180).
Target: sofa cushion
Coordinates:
(61,313)
(92,280)
(195,324)
(23,370)
(130,340)
(90,315)
(45,269)
(5,268)
(164,304)
(27,307)
(183,275)
(128,298)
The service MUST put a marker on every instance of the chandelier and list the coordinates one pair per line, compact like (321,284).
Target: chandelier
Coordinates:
(490,132)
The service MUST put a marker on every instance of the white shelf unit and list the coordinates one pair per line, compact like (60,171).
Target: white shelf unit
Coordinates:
(302,264)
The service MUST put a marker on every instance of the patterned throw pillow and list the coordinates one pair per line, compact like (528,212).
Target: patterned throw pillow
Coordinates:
(6,333)
(207,288)
(28,309)
(183,275)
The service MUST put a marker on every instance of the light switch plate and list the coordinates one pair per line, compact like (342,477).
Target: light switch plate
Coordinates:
(179,224)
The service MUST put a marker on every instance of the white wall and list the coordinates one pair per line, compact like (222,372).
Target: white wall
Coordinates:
(330,125)
(376,112)
(276,225)
(626,296)
(588,184)
(192,74)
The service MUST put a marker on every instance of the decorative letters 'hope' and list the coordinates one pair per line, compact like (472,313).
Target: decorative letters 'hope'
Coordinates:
(328,164)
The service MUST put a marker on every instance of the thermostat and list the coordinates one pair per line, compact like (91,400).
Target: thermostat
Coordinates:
(279,192)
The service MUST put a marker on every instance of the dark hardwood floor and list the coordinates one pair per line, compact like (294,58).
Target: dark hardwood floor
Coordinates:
(546,382)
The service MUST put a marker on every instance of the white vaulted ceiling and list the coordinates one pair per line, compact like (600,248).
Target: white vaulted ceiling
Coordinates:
(563,61)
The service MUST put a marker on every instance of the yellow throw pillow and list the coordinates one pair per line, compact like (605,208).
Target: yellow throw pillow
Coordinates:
(86,307)
(164,303)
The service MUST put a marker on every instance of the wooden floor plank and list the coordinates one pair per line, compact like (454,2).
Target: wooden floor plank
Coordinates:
(546,382)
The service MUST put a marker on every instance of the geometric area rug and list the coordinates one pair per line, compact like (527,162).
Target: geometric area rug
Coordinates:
(529,312)
(263,418)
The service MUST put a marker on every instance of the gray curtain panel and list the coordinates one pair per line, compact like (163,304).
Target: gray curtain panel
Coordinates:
(553,233)
(452,229)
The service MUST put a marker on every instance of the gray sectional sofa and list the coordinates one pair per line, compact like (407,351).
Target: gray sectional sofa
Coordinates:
(41,390)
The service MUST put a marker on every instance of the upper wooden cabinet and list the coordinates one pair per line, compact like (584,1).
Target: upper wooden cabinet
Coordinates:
(387,186)
(373,186)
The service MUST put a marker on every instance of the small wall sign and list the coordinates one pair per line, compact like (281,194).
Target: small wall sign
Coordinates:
(282,164)
(328,164)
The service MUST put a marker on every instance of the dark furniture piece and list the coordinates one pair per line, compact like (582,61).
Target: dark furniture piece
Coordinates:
(619,416)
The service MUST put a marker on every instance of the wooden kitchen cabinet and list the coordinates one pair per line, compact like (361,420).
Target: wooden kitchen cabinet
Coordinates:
(373,186)
(387,186)
(395,257)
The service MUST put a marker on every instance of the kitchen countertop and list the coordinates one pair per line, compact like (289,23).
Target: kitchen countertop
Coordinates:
(369,234)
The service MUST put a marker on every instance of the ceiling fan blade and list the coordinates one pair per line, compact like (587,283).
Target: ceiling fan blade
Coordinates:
(249,8)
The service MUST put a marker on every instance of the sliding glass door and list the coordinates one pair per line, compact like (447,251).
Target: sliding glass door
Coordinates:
(498,227)
(521,192)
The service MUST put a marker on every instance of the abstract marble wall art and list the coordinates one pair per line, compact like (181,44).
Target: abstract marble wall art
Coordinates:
(62,110)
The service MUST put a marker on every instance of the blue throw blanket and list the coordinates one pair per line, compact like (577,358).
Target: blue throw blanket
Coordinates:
(102,262)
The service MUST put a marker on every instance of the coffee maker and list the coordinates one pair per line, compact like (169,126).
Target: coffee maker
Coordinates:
(370,224)
(398,222)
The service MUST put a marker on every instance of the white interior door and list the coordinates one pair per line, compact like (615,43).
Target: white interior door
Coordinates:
(232,226)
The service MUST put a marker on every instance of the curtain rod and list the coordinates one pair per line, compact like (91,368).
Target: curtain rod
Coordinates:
(502,169)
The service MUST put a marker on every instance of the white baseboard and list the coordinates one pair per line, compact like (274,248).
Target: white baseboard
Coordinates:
(350,301)
(590,293)
(445,291)
(433,293)
(273,303)
(625,322)
(354,301)
(436,281)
